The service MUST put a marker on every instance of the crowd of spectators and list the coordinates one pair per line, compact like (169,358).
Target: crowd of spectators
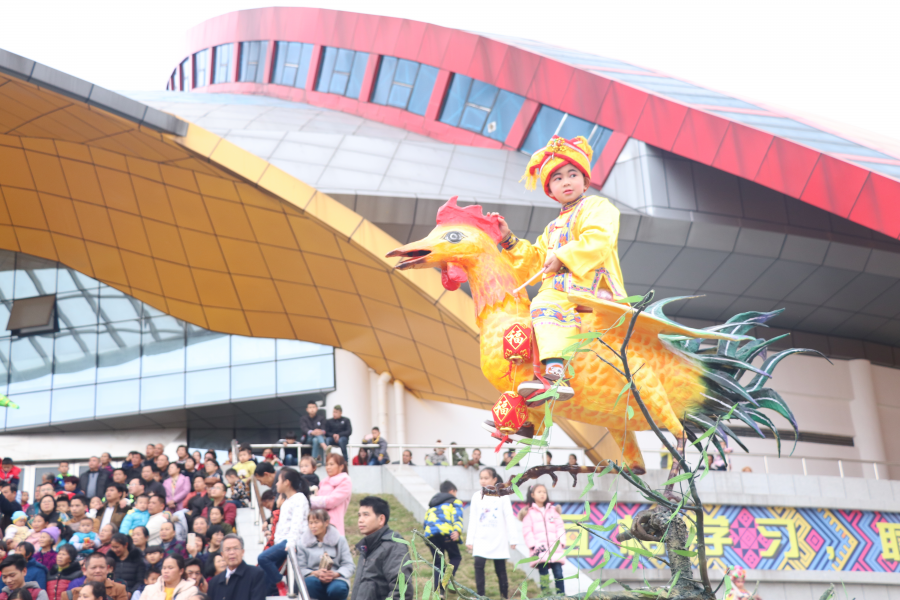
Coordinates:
(161,527)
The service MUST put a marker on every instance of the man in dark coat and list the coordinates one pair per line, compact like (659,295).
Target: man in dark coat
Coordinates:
(312,431)
(338,430)
(93,482)
(380,558)
(240,581)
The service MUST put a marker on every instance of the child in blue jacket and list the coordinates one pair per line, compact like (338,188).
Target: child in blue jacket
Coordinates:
(443,527)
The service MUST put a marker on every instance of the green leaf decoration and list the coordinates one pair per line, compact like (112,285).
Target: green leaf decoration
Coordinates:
(590,484)
(678,478)
(515,460)
(629,300)
(622,391)
(687,553)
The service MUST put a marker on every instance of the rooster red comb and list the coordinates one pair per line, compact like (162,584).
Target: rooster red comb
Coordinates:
(451,214)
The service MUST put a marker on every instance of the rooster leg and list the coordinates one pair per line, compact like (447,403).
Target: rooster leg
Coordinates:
(630,450)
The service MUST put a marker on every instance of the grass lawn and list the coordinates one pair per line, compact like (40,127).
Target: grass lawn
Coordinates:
(403,523)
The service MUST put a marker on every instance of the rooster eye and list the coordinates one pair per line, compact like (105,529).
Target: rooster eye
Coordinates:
(454,237)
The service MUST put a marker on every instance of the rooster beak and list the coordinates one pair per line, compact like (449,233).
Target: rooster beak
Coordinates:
(414,255)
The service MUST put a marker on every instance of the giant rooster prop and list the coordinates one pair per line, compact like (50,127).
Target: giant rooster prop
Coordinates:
(680,383)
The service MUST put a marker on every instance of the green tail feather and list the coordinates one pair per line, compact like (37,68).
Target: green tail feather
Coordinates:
(723,367)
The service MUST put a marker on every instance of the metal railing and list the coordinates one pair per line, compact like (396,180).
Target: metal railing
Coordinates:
(295,577)
(833,465)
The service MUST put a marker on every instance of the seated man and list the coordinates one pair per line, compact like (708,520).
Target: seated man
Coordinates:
(13,569)
(338,430)
(312,431)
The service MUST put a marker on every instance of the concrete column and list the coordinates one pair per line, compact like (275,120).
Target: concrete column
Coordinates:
(399,414)
(353,392)
(864,412)
(383,380)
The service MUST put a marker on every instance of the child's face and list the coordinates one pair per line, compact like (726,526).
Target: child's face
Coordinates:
(154,557)
(141,504)
(62,506)
(25,496)
(96,503)
(566,184)
(231,479)
(243,456)
(152,576)
(20,522)
(69,486)
(85,526)
(306,467)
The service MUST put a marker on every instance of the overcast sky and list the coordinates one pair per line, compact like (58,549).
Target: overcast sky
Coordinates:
(834,62)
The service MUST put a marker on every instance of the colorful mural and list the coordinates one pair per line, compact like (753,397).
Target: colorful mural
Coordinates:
(772,538)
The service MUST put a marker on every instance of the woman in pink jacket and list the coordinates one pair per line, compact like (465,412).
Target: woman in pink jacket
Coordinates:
(177,486)
(542,527)
(334,491)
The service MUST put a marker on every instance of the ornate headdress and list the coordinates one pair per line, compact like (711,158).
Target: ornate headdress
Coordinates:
(737,573)
(555,154)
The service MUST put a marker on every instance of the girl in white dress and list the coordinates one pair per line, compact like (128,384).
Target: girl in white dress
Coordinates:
(491,532)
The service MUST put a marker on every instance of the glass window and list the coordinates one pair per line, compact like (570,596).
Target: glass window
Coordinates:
(292,63)
(162,345)
(77,309)
(4,364)
(305,374)
(246,350)
(119,351)
(7,275)
(296,349)
(207,386)
(480,107)
(117,398)
(68,280)
(404,84)
(70,404)
(116,306)
(550,122)
(250,381)
(34,277)
(34,409)
(201,68)
(342,72)
(32,363)
(185,75)
(75,357)
(223,56)
(253,60)
(164,391)
(206,349)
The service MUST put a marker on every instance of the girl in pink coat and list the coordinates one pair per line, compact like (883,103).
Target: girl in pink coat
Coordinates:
(542,527)
(334,491)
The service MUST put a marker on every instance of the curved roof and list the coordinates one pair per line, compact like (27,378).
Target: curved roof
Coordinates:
(209,233)
(847,178)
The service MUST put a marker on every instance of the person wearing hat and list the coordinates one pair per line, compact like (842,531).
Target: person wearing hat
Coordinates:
(577,254)
(338,430)
(18,531)
(738,578)
(46,555)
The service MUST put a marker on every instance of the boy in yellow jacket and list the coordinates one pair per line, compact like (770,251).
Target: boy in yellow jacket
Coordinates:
(577,253)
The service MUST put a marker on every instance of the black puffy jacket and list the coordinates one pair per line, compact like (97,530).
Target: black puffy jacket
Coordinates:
(130,570)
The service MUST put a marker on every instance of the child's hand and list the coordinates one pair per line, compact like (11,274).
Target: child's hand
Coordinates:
(552,264)
(504,228)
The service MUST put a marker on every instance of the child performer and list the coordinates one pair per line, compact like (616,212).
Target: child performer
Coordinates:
(577,253)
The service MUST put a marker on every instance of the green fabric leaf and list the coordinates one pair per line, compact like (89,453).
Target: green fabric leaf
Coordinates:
(519,456)
(677,478)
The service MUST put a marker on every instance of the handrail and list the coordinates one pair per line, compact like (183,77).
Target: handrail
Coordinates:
(767,457)
(294,575)
(261,510)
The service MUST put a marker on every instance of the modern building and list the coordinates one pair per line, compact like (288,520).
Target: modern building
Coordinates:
(207,248)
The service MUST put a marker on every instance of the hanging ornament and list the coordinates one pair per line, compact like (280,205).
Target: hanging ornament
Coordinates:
(509,415)
(517,344)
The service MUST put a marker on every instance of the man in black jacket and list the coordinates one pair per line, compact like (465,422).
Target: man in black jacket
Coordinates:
(129,562)
(380,558)
(93,482)
(338,430)
(240,581)
(312,431)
